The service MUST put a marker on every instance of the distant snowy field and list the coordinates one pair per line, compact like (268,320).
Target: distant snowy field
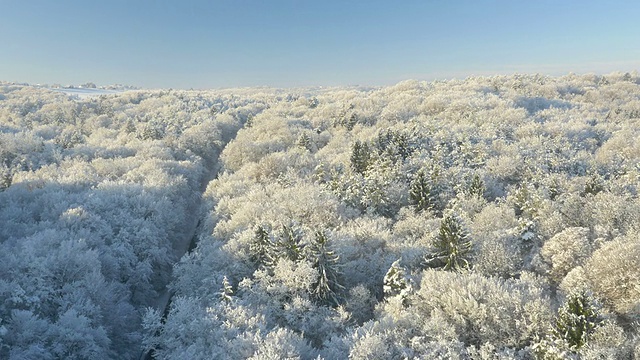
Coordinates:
(85,93)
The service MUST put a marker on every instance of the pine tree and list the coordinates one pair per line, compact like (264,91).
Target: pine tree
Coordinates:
(452,245)
(577,318)
(325,261)
(360,157)
(420,192)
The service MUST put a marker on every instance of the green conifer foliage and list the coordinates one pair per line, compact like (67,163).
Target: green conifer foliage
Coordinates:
(304,141)
(351,122)
(325,261)
(452,244)
(384,141)
(5,177)
(420,192)
(577,318)
(288,245)
(393,144)
(261,247)
(526,201)
(593,186)
(360,157)
(476,188)
(395,281)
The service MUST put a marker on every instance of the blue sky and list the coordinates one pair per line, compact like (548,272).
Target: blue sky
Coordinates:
(212,44)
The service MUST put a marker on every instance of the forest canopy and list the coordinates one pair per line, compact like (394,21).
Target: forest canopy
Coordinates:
(491,217)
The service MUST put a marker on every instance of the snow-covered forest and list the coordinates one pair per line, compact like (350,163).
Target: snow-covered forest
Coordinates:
(485,218)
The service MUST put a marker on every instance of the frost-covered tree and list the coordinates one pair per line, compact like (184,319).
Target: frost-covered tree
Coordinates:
(289,245)
(226,292)
(452,246)
(261,247)
(421,192)
(360,157)
(325,261)
(576,320)
(476,187)
(304,141)
(396,282)
(614,276)
(99,197)
(593,186)
(566,250)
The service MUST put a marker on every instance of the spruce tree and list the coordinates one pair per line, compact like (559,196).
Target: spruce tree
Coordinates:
(476,188)
(360,157)
(402,145)
(288,245)
(420,192)
(393,144)
(383,141)
(261,247)
(5,176)
(304,141)
(395,281)
(576,320)
(325,261)
(452,245)
(351,122)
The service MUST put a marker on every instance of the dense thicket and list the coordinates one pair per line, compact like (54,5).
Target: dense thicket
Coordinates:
(484,218)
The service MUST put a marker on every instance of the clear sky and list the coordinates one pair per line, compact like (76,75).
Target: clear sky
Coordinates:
(211,44)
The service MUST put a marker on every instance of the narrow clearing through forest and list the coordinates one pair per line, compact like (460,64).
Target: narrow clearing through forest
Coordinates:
(186,243)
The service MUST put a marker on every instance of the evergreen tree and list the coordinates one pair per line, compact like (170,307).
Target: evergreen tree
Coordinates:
(227,291)
(576,320)
(476,188)
(452,245)
(351,122)
(288,245)
(394,144)
(593,186)
(420,192)
(304,141)
(383,141)
(526,201)
(261,247)
(402,145)
(325,261)
(360,157)
(395,281)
